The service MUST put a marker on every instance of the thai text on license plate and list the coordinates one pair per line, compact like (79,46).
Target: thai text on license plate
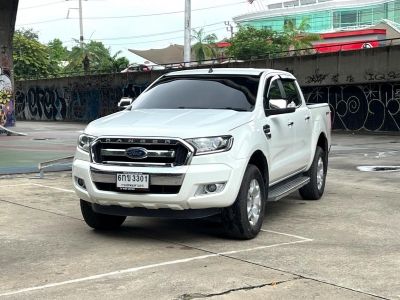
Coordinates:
(133,181)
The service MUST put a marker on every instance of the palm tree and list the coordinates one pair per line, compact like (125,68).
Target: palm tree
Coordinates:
(299,37)
(204,47)
(80,59)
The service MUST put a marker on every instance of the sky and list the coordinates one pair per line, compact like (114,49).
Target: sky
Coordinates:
(116,22)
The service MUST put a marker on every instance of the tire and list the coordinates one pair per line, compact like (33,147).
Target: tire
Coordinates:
(236,220)
(315,188)
(100,221)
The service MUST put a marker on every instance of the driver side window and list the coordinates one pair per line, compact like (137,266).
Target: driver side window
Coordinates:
(273,98)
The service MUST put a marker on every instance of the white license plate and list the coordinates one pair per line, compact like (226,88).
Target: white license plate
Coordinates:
(133,181)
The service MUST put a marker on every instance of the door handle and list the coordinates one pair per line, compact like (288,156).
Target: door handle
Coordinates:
(307,118)
(290,124)
(267,131)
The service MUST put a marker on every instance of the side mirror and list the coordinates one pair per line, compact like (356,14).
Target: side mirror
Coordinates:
(124,102)
(279,106)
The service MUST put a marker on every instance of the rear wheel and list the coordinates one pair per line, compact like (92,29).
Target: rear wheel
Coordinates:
(317,173)
(243,220)
(100,221)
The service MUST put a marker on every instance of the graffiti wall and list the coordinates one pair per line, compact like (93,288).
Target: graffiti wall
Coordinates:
(371,107)
(74,99)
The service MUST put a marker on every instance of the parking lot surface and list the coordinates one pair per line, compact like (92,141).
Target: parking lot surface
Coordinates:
(344,246)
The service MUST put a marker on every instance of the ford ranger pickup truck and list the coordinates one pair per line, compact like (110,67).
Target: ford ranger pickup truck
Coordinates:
(203,142)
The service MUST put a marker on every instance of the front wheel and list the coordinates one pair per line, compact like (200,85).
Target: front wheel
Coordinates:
(100,221)
(317,173)
(243,220)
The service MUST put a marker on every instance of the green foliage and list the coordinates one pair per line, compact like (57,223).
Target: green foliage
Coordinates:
(57,50)
(31,58)
(298,37)
(34,59)
(250,42)
(204,48)
(98,58)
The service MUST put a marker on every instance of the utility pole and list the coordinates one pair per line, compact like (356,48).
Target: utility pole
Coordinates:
(229,27)
(187,46)
(80,21)
(80,24)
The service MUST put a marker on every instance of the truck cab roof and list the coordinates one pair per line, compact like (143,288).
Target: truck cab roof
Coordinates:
(228,71)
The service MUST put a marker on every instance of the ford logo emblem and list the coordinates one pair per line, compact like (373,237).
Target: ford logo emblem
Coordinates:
(136,153)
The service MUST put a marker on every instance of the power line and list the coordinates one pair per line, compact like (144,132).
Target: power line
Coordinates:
(155,34)
(152,41)
(41,5)
(166,13)
(135,16)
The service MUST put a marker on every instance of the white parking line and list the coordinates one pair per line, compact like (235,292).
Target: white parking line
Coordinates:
(136,269)
(13,185)
(287,234)
(54,188)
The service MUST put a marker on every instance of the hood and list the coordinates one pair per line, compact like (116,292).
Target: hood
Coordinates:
(182,123)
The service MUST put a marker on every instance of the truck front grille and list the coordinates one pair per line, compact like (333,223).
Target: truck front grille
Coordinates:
(140,151)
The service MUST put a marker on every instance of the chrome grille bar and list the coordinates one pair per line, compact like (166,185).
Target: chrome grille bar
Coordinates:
(150,153)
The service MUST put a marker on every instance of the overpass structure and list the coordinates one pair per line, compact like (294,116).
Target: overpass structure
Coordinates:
(8,13)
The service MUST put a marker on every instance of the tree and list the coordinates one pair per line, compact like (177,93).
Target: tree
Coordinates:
(95,57)
(57,50)
(298,37)
(30,56)
(250,42)
(119,63)
(204,48)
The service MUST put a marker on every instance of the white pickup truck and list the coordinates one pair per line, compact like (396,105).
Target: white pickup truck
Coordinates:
(202,142)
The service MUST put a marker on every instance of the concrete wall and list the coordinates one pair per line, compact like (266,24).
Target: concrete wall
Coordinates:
(8,12)
(83,98)
(362,88)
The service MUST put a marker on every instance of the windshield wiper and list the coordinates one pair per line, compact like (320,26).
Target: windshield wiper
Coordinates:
(234,108)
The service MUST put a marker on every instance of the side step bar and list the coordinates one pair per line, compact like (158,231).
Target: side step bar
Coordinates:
(286,187)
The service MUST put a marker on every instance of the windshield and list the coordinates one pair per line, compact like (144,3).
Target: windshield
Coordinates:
(201,92)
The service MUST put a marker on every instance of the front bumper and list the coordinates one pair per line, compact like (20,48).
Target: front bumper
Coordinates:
(188,177)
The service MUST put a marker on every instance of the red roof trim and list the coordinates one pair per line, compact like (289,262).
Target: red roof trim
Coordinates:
(352,33)
(223,44)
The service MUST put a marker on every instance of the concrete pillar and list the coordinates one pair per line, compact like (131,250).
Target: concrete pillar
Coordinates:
(8,13)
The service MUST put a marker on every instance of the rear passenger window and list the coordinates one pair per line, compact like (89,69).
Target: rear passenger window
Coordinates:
(292,93)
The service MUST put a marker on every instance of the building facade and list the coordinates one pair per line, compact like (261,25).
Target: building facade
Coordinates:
(323,15)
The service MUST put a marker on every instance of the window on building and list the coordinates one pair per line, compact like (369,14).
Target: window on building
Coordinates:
(348,18)
(290,20)
(336,19)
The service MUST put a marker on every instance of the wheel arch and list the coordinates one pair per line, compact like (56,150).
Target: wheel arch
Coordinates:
(260,161)
(323,142)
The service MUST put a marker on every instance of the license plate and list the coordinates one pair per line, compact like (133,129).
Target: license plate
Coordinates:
(133,181)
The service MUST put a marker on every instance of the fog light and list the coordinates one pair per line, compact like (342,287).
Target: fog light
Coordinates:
(80,182)
(210,188)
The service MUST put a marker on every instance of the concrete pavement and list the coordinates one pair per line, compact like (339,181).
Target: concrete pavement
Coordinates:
(345,246)
(44,141)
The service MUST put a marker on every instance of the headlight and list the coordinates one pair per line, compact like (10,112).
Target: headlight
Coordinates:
(84,141)
(214,144)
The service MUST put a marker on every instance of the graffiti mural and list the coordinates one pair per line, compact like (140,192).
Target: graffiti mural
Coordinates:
(371,107)
(6,102)
(78,101)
